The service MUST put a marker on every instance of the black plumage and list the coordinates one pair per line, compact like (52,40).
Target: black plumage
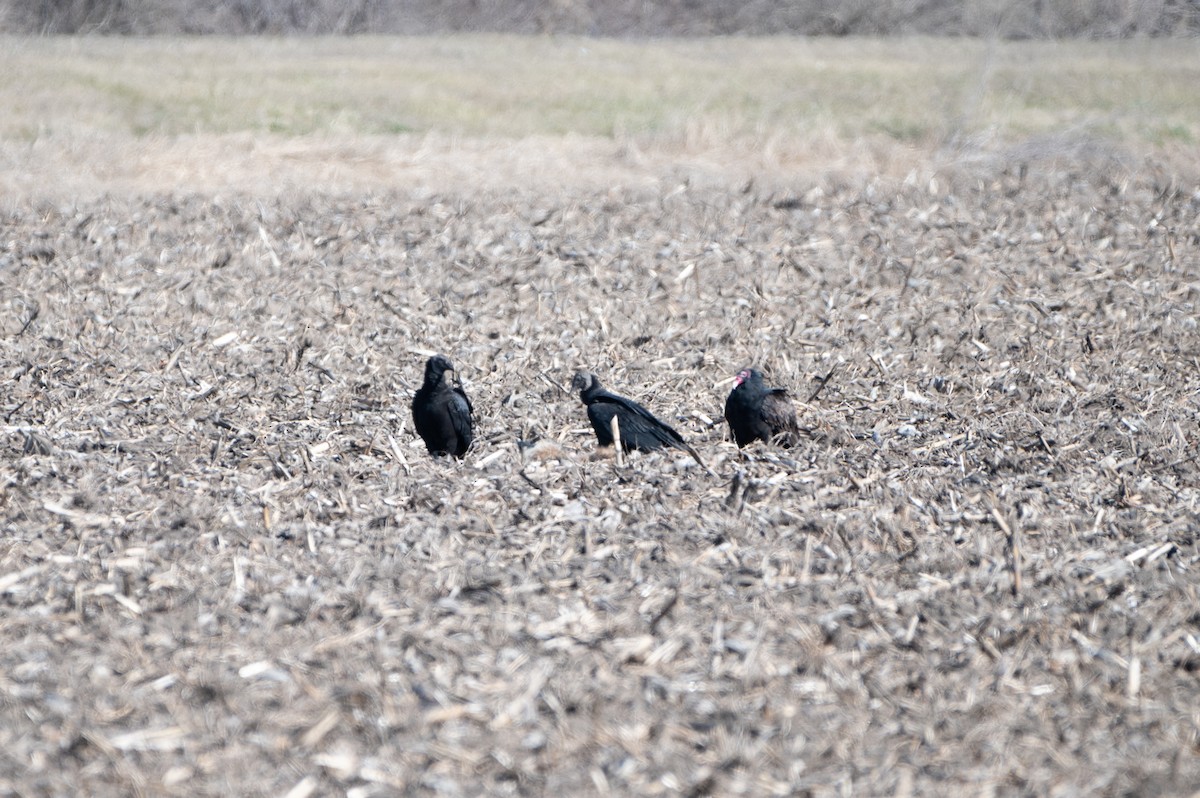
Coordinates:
(441,410)
(636,425)
(756,412)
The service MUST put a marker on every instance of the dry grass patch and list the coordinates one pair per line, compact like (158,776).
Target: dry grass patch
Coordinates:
(91,116)
(912,89)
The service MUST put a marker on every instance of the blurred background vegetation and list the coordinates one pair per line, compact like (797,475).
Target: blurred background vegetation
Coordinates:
(1018,19)
(777,91)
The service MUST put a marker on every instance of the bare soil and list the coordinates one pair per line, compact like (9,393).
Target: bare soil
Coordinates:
(229,567)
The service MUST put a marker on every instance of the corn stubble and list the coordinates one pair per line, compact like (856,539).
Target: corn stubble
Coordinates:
(229,566)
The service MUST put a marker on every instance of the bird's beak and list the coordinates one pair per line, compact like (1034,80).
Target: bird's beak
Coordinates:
(734,380)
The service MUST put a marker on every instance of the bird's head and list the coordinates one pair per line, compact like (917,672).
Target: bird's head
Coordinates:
(583,381)
(436,369)
(745,375)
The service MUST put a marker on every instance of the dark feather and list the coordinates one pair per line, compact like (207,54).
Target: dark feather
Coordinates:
(758,413)
(637,426)
(441,411)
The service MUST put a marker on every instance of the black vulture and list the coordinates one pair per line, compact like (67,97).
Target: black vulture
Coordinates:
(442,411)
(636,425)
(756,412)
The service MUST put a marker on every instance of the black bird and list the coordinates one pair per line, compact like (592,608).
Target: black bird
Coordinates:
(636,425)
(756,412)
(442,411)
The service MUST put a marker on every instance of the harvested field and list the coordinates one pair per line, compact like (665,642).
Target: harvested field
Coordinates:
(229,567)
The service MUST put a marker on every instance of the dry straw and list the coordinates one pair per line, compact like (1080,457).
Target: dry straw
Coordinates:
(229,567)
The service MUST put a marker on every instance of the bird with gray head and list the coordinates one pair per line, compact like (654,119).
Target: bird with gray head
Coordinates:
(636,425)
(756,412)
(441,410)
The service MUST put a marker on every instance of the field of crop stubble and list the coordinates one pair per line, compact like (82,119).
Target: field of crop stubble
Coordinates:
(228,566)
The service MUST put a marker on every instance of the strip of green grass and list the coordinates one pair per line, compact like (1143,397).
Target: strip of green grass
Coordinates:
(918,90)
